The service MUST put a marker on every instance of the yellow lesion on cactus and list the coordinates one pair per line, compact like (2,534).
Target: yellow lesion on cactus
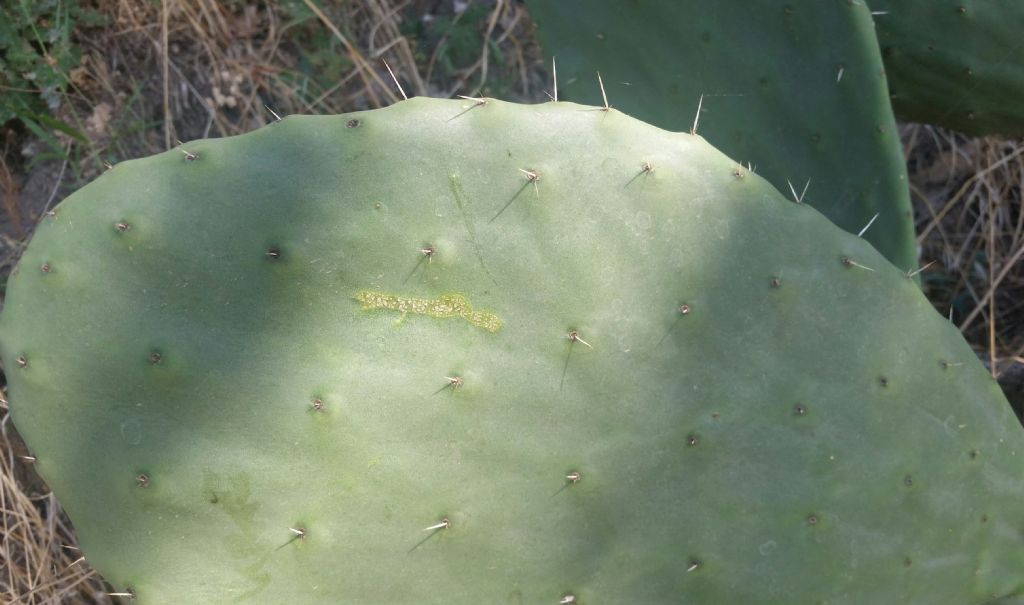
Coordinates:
(443,307)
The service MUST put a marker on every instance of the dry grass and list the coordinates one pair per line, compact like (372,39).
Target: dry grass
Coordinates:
(184,69)
(967,194)
(39,559)
(192,69)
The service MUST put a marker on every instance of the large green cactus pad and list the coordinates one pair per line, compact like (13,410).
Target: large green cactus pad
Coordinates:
(795,88)
(604,363)
(956,63)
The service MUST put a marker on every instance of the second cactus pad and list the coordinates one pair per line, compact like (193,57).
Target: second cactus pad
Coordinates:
(793,88)
(456,352)
(955,63)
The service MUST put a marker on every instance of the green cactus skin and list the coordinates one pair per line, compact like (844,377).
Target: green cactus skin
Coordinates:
(255,369)
(796,88)
(955,63)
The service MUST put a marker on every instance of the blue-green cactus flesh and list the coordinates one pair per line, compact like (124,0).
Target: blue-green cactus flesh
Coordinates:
(454,353)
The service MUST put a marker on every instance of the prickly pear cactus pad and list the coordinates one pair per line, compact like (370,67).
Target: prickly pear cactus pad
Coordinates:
(956,63)
(461,352)
(795,88)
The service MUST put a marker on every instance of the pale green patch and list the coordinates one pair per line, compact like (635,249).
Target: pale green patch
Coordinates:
(449,305)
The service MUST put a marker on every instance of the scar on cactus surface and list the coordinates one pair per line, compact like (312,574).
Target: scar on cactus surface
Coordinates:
(700,391)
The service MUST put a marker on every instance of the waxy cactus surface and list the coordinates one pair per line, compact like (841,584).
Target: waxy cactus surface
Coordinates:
(461,352)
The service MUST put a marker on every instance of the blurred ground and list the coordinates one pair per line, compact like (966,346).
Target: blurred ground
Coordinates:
(153,73)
